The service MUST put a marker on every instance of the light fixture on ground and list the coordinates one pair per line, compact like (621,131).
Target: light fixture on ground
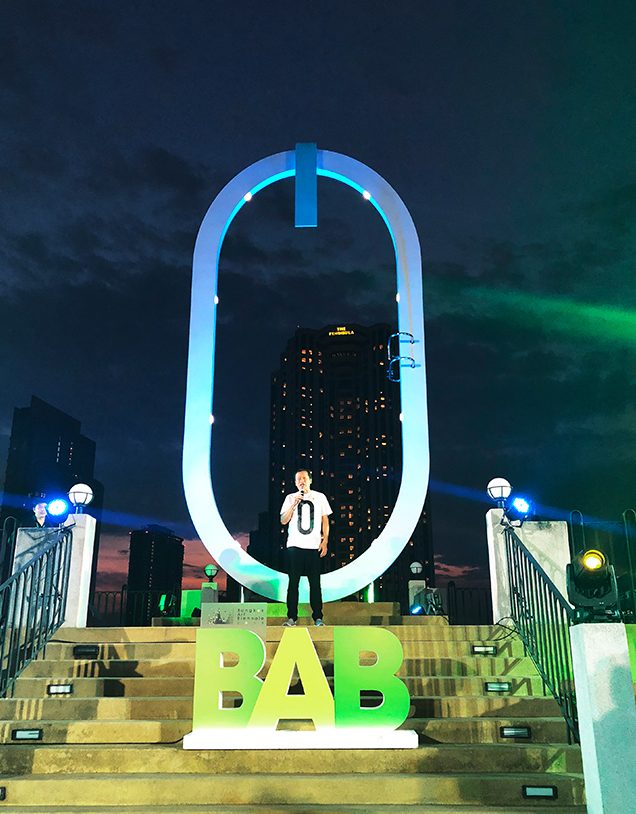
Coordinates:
(80,495)
(498,686)
(591,587)
(59,689)
(86,651)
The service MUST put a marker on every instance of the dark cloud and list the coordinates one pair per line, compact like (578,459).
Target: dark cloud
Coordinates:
(504,129)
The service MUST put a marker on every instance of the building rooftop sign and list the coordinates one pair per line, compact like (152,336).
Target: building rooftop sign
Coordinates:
(341,330)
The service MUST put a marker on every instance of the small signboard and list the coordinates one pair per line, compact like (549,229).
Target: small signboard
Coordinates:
(249,615)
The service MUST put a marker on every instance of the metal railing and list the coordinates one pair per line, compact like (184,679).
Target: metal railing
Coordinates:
(543,619)
(134,608)
(33,604)
(468,605)
(7,542)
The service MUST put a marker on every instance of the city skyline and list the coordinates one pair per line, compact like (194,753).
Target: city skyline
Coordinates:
(507,131)
(335,412)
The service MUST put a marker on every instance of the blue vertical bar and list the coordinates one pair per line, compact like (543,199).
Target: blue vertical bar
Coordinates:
(306,197)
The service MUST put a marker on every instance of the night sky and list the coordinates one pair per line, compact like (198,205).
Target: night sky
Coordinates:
(508,129)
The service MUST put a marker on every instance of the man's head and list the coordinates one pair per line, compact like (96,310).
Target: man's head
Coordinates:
(303,480)
(39,510)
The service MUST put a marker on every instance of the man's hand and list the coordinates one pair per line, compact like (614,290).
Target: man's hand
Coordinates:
(322,548)
(287,516)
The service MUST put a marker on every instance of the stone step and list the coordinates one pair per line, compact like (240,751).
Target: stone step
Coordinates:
(442,666)
(281,808)
(56,651)
(430,628)
(183,686)
(433,758)
(166,708)
(436,730)
(272,789)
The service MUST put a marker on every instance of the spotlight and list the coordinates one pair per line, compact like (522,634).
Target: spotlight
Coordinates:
(211,570)
(416,610)
(591,587)
(517,509)
(58,508)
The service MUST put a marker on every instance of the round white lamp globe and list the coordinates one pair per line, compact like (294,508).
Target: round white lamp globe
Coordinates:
(80,495)
(499,490)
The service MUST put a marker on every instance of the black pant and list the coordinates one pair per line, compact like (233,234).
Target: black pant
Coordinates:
(303,562)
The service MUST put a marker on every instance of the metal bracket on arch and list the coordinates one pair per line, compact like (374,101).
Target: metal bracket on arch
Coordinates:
(396,360)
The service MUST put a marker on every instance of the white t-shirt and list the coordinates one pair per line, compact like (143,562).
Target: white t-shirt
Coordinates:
(304,530)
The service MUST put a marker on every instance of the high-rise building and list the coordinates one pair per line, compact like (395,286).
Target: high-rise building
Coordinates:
(47,455)
(155,567)
(335,412)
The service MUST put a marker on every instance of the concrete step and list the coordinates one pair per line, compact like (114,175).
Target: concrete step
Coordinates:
(432,758)
(435,730)
(282,808)
(183,686)
(272,789)
(116,668)
(426,629)
(166,708)
(56,651)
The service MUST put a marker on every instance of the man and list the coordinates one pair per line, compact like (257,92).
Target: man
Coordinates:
(306,514)
(41,515)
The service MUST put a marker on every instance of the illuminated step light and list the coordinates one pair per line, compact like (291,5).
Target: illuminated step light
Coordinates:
(366,195)
(519,732)
(539,792)
(247,197)
(86,651)
(216,299)
(498,686)
(26,734)
(59,689)
(484,650)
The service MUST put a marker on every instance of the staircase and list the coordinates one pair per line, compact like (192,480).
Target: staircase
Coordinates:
(114,743)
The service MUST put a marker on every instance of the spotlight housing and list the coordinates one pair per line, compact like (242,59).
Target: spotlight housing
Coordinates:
(517,510)
(591,587)
(58,508)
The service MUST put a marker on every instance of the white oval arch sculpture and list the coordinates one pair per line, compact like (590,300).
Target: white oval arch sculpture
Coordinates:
(197,479)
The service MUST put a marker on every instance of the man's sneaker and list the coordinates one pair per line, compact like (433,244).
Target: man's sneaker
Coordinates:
(290,623)
(319,623)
